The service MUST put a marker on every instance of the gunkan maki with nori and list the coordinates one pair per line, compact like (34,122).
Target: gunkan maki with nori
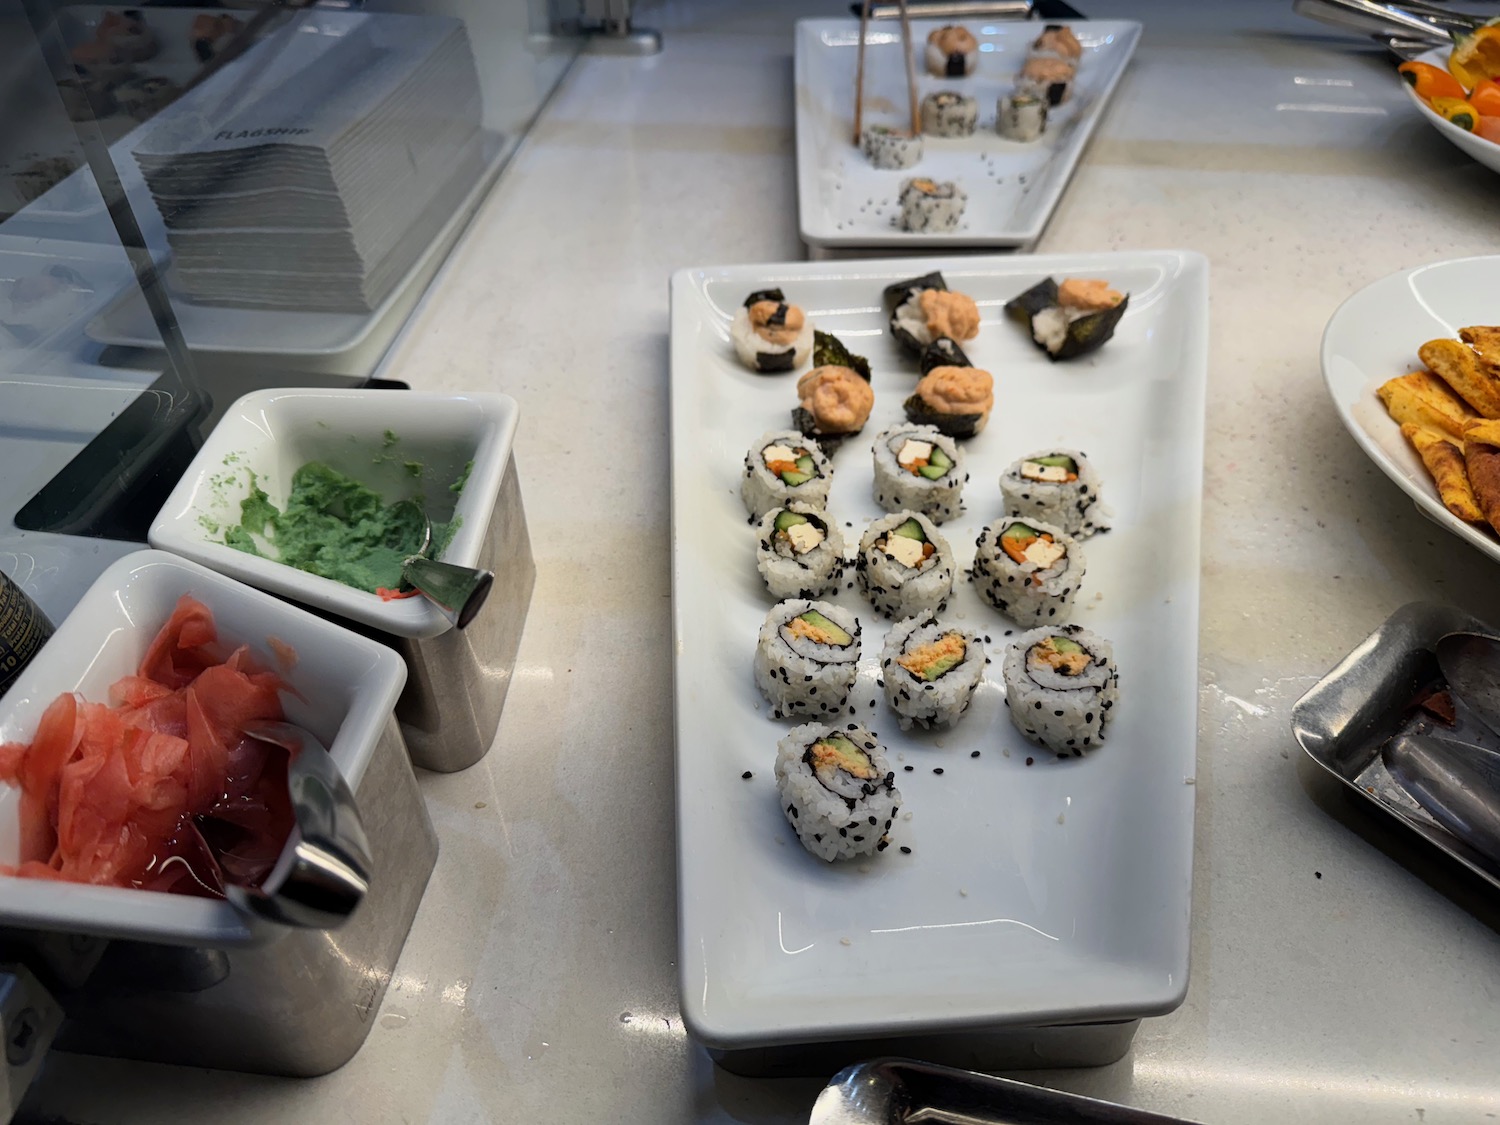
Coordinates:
(769,334)
(1070,319)
(834,398)
(923,309)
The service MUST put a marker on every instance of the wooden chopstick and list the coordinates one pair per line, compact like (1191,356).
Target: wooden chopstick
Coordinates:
(859,73)
(911,71)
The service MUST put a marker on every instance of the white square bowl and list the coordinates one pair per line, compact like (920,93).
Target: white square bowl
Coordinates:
(273,433)
(345,689)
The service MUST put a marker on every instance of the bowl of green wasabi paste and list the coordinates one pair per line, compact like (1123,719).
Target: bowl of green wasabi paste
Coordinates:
(296,492)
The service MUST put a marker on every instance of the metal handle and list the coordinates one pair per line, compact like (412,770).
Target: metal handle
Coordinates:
(953,10)
(459,591)
(1371,18)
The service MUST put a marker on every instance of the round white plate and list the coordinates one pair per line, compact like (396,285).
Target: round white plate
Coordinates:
(1486,152)
(1374,336)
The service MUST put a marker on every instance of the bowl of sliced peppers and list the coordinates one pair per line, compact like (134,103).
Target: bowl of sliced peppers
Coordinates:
(1459,89)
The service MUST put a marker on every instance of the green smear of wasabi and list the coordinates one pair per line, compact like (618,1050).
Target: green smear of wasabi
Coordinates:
(463,478)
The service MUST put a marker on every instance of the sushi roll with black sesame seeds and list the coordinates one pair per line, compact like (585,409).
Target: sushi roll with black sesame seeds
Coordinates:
(923,309)
(1061,686)
(930,671)
(890,148)
(807,658)
(947,113)
(1021,116)
(929,205)
(799,552)
(783,466)
(1029,570)
(918,468)
(837,789)
(905,566)
(770,335)
(1057,486)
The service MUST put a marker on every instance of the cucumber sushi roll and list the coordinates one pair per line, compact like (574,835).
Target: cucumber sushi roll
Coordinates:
(770,335)
(955,400)
(837,789)
(923,309)
(1057,486)
(930,671)
(835,397)
(781,467)
(952,52)
(1047,77)
(949,114)
(1060,687)
(800,552)
(919,468)
(905,566)
(1070,319)
(890,148)
(807,657)
(930,205)
(1028,570)
(1021,116)
(1057,41)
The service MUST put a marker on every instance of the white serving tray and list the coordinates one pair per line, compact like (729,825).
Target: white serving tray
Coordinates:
(1057,893)
(843,200)
(1374,336)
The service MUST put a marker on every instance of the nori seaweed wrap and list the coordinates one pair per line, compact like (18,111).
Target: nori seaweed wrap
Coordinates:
(896,295)
(1061,331)
(829,351)
(836,396)
(943,352)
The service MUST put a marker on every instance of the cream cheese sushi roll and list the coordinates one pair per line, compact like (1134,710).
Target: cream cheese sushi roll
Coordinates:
(952,52)
(807,658)
(918,468)
(890,148)
(1049,78)
(781,467)
(837,789)
(770,335)
(1057,486)
(1021,116)
(924,309)
(1029,570)
(947,113)
(905,566)
(1061,686)
(930,671)
(931,206)
(800,552)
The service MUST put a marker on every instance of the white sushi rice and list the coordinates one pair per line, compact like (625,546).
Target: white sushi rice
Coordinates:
(908,317)
(789,570)
(1074,506)
(1067,714)
(929,703)
(847,816)
(898,590)
(928,205)
(759,354)
(762,490)
(890,148)
(1021,117)
(946,113)
(896,489)
(799,676)
(1027,593)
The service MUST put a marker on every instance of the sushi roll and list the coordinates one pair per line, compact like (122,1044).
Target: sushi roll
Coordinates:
(211,35)
(1029,570)
(930,671)
(890,148)
(128,32)
(905,566)
(1056,486)
(923,309)
(931,206)
(800,552)
(1049,78)
(837,789)
(835,397)
(1070,319)
(946,113)
(1021,116)
(918,468)
(952,52)
(781,467)
(1060,687)
(143,97)
(955,399)
(807,657)
(99,63)
(770,335)
(1057,41)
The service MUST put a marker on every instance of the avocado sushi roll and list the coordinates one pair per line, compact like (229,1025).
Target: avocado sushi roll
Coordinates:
(890,148)
(781,467)
(923,309)
(947,113)
(837,789)
(834,398)
(904,566)
(931,205)
(954,400)
(1070,319)
(770,335)
(807,657)
(1029,570)
(800,552)
(1057,486)
(920,468)
(930,671)
(1061,686)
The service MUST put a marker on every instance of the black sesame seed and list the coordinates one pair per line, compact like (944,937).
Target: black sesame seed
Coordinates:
(1030,760)
(747,775)
(937,769)
(908,769)
(907,851)
(974,754)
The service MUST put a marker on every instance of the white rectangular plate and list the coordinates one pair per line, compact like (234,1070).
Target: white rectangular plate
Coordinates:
(843,200)
(1053,893)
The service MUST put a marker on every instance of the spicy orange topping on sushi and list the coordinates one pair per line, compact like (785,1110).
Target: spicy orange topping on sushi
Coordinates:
(776,321)
(1060,41)
(950,314)
(1039,68)
(1087,293)
(958,390)
(837,398)
(953,40)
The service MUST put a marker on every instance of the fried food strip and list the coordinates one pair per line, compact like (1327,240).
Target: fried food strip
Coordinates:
(1445,461)
(1485,341)
(1422,399)
(1460,368)
(1482,458)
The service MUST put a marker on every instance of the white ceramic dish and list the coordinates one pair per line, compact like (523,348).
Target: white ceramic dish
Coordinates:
(273,433)
(1486,152)
(348,686)
(1374,336)
(1052,894)
(843,200)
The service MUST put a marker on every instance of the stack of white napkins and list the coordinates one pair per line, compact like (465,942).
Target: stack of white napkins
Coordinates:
(312,171)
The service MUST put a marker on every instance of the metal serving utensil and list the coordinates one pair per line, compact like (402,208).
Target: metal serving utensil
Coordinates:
(459,591)
(1407,21)
(1458,784)
(1470,663)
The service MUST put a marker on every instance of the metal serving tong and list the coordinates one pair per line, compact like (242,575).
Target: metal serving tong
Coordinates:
(1407,27)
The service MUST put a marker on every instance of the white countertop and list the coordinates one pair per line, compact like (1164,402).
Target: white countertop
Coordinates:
(1333,980)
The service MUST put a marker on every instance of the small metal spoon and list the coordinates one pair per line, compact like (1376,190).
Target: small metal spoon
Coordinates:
(459,591)
(1458,784)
